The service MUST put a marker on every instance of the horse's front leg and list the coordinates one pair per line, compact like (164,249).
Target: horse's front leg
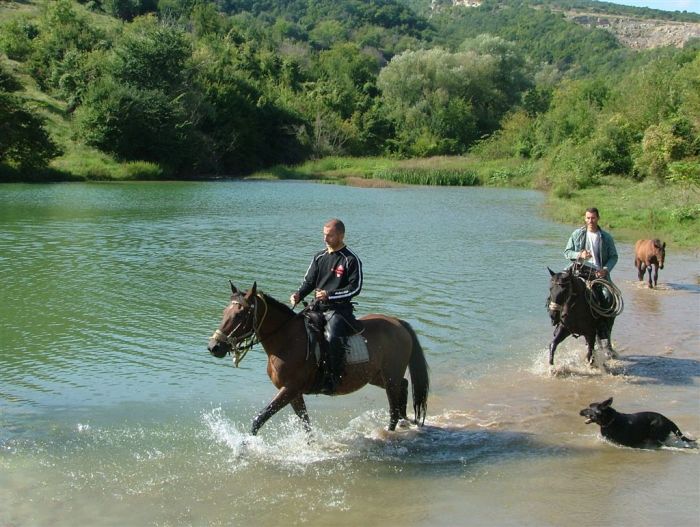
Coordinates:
(656,275)
(560,333)
(590,343)
(649,271)
(299,407)
(282,399)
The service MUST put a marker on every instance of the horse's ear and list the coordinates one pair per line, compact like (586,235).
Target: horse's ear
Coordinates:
(253,290)
(552,273)
(233,287)
(606,403)
(664,245)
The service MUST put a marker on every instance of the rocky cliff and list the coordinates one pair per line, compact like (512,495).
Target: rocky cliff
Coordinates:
(640,33)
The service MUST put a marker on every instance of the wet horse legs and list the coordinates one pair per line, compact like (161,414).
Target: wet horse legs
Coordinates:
(397,393)
(282,399)
(560,333)
(299,407)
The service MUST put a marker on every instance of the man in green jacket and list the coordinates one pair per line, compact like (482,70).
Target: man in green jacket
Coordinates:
(595,249)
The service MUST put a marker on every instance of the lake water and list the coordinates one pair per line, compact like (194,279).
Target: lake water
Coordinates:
(112,412)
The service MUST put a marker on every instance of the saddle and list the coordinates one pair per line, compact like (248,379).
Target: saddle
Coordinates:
(355,351)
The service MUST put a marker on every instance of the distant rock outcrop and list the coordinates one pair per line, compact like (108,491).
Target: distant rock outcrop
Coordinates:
(640,33)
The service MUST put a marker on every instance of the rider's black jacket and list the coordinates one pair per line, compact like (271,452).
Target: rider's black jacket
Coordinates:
(338,272)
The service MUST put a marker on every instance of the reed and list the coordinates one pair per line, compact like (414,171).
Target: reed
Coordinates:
(446,177)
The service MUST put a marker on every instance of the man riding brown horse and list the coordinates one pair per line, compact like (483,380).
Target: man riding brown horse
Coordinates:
(335,274)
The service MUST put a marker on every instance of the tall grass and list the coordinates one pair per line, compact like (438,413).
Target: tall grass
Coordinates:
(633,210)
(429,176)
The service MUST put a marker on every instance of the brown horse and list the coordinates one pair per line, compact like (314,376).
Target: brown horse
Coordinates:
(648,254)
(253,317)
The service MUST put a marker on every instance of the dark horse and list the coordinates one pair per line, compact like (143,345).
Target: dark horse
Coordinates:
(570,311)
(648,254)
(393,346)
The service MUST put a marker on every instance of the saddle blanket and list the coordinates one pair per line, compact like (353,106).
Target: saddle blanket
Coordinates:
(357,352)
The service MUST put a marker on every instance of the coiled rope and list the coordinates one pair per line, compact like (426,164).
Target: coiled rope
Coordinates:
(617,305)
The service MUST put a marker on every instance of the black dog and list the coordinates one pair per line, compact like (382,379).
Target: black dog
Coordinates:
(635,430)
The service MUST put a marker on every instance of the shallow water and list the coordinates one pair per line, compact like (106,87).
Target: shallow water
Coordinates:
(113,413)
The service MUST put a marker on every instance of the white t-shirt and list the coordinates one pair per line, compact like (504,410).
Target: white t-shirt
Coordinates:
(593,246)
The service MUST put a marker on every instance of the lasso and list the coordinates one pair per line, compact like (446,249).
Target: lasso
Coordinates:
(617,305)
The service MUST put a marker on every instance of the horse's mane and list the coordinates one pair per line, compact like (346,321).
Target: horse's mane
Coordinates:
(277,304)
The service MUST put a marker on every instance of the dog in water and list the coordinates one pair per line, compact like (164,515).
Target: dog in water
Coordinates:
(634,430)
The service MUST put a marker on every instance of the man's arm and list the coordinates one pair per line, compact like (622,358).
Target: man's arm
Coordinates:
(571,252)
(309,282)
(611,251)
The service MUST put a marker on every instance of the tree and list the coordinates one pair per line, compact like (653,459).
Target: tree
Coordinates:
(23,140)
(152,55)
(135,124)
(446,99)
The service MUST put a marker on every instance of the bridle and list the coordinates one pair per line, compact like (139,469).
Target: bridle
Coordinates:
(241,344)
(553,306)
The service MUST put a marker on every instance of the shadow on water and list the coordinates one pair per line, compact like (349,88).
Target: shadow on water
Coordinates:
(690,288)
(459,447)
(661,370)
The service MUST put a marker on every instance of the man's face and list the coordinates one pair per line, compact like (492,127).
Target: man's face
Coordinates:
(332,238)
(591,221)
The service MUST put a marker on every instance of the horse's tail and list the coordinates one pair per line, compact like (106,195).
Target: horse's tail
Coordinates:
(420,382)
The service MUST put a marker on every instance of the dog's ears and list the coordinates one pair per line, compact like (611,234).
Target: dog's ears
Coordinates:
(606,403)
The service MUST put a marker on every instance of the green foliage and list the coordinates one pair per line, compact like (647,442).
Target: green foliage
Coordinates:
(128,9)
(16,37)
(441,102)
(612,146)
(429,176)
(151,55)
(684,173)
(663,144)
(543,35)
(134,124)
(62,28)
(24,142)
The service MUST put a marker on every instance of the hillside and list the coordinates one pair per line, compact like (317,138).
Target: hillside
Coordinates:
(637,28)
(640,33)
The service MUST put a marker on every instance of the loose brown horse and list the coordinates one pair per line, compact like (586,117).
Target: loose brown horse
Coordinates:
(253,317)
(648,254)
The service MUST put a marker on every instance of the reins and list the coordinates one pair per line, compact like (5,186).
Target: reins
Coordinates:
(240,345)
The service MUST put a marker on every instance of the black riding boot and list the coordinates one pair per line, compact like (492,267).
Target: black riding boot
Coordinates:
(336,358)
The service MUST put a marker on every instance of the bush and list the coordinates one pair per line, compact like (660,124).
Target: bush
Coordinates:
(684,172)
(16,38)
(134,124)
(23,140)
(662,144)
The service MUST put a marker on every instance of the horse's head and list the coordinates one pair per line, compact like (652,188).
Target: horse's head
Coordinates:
(660,249)
(560,289)
(237,324)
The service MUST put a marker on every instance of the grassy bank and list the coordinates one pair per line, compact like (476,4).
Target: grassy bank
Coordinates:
(631,209)
(634,210)
(441,171)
